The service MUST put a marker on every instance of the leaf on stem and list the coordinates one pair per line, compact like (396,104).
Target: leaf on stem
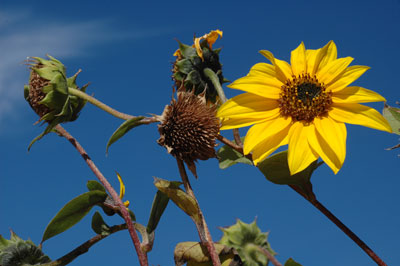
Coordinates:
(194,254)
(392,115)
(291,262)
(123,129)
(227,156)
(99,226)
(160,202)
(73,212)
(183,200)
(93,185)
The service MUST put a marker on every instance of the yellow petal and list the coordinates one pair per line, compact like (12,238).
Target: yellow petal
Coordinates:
(333,69)
(329,56)
(246,105)
(121,187)
(349,75)
(210,38)
(265,87)
(230,123)
(264,130)
(269,145)
(298,60)
(354,113)
(314,58)
(263,69)
(356,94)
(126,203)
(282,68)
(329,141)
(300,154)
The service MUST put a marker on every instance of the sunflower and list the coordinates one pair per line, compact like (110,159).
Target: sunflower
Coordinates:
(304,104)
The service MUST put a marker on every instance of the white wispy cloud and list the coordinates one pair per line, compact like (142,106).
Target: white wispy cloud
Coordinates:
(22,35)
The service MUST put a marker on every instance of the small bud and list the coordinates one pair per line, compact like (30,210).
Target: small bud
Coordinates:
(191,62)
(189,128)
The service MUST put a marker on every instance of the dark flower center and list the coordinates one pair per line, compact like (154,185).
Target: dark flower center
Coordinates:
(303,98)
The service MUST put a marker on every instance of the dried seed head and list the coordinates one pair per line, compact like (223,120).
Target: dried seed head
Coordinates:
(189,128)
(36,94)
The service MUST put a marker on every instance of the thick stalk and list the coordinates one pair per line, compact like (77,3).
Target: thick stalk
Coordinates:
(202,228)
(106,108)
(343,227)
(136,242)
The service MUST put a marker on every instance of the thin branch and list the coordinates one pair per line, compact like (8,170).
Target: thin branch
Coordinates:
(82,249)
(107,108)
(233,146)
(270,257)
(142,256)
(236,137)
(202,228)
(344,228)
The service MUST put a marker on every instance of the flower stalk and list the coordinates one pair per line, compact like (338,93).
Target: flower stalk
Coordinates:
(202,227)
(135,239)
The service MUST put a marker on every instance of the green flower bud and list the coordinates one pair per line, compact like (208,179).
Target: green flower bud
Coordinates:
(47,93)
(17,252)
(247,239)
(188,69)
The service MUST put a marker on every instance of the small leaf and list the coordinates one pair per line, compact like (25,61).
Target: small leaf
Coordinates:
(228,157)
(291,262)
(123,129)
(160,202)
(392,115)
(73,212)
(93,185)
(193,253)
(99,226)
(179,197)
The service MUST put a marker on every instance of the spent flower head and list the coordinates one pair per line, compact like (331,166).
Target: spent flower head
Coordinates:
(47,93)
(188,128)
(191,60)
(304,104)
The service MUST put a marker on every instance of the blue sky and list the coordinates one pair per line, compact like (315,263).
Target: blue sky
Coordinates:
(125,51)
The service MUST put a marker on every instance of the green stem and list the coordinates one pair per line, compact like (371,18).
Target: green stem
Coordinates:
(99,104)
(215,81)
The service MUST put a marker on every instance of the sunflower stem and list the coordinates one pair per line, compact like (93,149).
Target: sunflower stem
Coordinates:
(204,232)
(83,248)
(135,239)
(343,227)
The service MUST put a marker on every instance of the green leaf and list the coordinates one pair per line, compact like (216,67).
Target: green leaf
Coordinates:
(99,226)
(392,115)
(184,66)
(194,254)
(187,51)
(291,262)
(93,185)
(228,157)
(183,200)
(73,212)
(123,129)
(160,202)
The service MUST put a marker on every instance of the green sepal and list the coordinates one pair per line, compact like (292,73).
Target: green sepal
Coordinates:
(48,129)
(73,212)
(276,170)
(392,115)
(99,226)
(93,185)
(195,254)
(26,92)
(124,128)
(184,66)
(160,202)
(187,51)
(292,262)
(183,200)
(227,156)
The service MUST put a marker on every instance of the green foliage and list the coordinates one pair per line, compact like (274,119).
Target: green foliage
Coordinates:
(73,212)
(99,226)
(392,115)
(291,262)
(95,185)
(228,157)
(18,252)
(194,254)
(248,241)
(160,202)
(124,128)
(183,200)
